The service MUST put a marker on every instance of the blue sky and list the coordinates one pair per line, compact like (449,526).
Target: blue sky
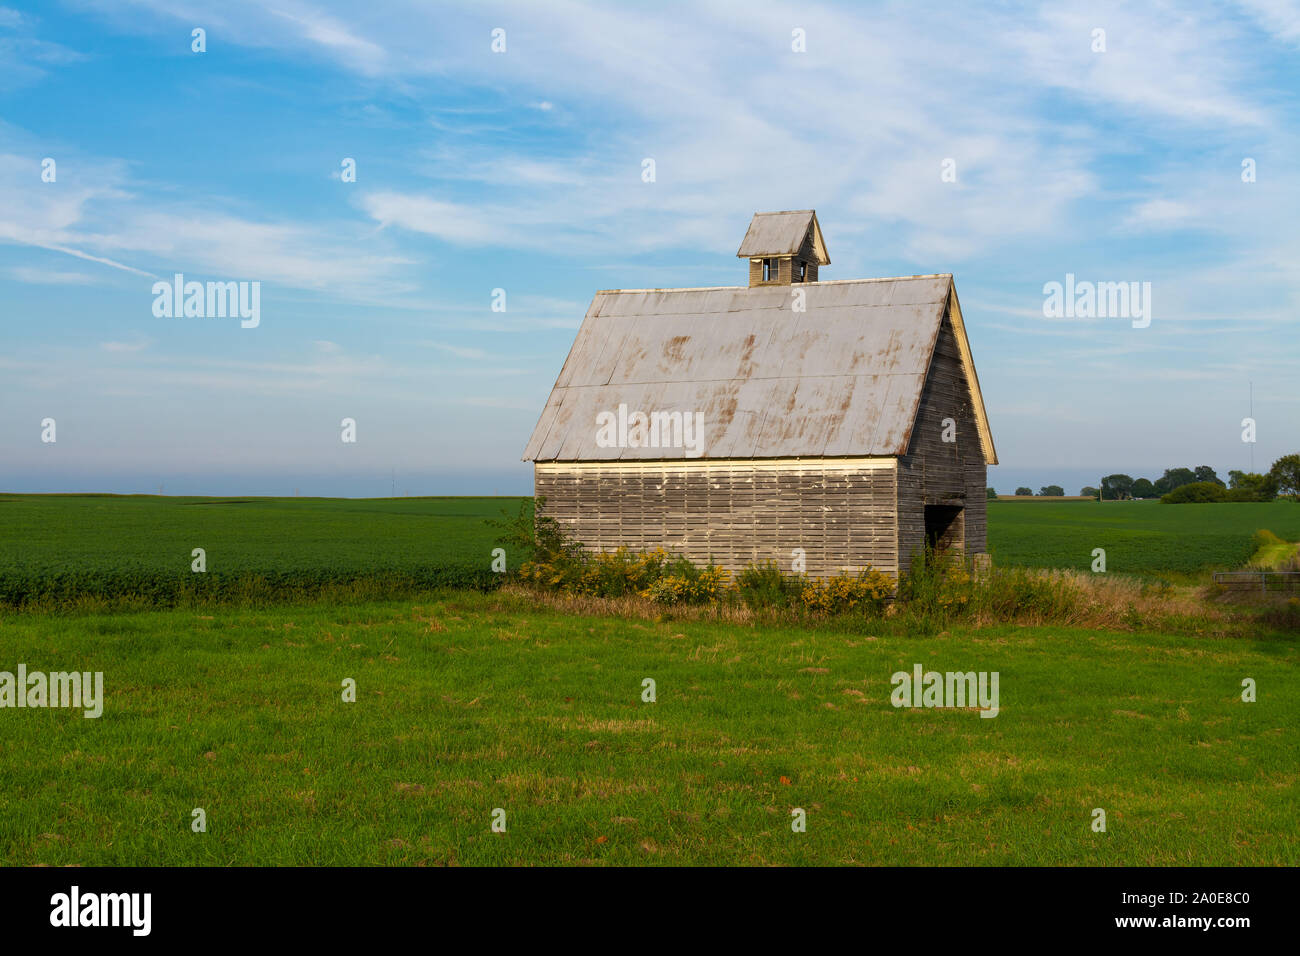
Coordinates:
(522,171)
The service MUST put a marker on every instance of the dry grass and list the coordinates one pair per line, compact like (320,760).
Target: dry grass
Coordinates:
(1080,599)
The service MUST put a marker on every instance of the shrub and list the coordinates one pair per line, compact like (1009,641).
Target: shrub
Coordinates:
(534,534)
(1196,492)
(936,586)
(621,573)
(867,591)
(1251,486)
(936,590)
(939,589)
(687,584)
(1284,617)
(764,586)
(668,579)
(1023,594)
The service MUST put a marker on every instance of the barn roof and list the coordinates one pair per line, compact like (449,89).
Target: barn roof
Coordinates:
(782,234)
(843,378)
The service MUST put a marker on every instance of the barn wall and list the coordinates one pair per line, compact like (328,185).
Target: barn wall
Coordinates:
(938,472)
(808,253)
(733,513)
(783,272)
(785,269)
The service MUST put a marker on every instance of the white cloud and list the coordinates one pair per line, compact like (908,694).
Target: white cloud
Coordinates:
(137,346)
(1280,17)
(1160,213)
(453,222)
(500,402)
(38,276)
(1170,63)
(108,224)
(459,351)
(1062,156)
(871,114)
(331,33)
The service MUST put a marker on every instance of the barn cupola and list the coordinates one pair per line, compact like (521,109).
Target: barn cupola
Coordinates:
(784,248)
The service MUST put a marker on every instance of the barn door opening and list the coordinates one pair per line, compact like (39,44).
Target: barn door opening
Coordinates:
(945,528)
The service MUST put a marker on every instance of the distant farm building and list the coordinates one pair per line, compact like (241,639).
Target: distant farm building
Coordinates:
(738,424)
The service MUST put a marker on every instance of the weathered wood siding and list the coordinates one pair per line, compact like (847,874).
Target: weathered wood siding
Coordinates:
(782,272)
(808,254)
(935,472)
(733,513)
(787,269)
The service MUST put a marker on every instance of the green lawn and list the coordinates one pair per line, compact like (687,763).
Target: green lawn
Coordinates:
(470,702)
(1139,537)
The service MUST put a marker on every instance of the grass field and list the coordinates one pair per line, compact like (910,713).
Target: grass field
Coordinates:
(1139,537)
(469,702)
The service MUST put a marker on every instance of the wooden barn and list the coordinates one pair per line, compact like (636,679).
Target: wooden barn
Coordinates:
(738,424)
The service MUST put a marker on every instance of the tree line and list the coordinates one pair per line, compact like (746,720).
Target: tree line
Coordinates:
(1190,484)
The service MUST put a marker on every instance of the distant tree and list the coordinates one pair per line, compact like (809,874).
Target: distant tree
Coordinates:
(1286,472)
(1051,491)
(1195,492)
(1206,473)
(1116,487)
(1142,488)
(1173,478)
(990,493)
(1088,491)
(1251,486)
(1021,492)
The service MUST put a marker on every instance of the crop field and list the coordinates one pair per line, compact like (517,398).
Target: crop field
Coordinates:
(468,703)
(1139,537)
(56,548)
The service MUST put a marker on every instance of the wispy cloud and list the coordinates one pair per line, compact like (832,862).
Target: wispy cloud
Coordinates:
(524,170)
(333,34)
(108,224)
(458,350)
(139,345)
(38,276)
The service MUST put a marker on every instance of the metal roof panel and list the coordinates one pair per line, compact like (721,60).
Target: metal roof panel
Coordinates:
(842,378)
